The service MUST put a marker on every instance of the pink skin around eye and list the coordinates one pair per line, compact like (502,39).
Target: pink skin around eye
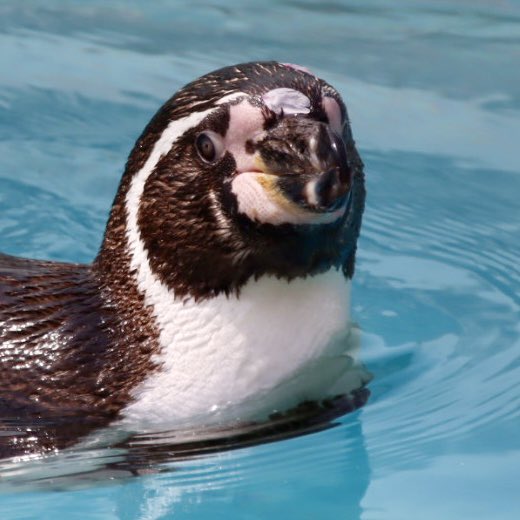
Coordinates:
(245,123)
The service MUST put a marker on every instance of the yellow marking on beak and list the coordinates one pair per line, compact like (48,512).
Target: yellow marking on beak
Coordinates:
(260,164)
(269,182)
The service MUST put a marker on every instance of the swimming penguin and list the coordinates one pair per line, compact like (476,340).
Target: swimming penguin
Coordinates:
(222,285)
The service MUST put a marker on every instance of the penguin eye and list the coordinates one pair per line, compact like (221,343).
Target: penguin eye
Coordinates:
(209,146)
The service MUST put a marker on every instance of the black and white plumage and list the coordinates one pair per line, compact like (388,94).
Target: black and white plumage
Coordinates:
(222,287)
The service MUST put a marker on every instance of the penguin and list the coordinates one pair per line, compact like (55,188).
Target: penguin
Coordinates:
(221,290)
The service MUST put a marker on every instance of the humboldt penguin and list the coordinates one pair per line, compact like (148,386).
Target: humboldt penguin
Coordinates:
(221,290)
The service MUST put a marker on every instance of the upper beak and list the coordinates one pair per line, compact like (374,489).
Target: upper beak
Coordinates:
(307,164)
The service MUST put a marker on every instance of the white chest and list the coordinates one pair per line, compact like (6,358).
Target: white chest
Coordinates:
(245,354)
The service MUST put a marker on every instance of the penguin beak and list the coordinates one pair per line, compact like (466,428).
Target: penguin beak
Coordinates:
(305,163)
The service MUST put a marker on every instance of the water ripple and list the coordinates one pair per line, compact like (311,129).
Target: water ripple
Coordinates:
(454,262)
(434,102)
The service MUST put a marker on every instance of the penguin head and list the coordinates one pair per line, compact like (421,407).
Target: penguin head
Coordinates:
(250,170)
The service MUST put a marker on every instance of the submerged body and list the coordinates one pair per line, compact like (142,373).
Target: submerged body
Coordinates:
(222,288)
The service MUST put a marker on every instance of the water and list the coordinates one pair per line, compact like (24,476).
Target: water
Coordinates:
(433,90)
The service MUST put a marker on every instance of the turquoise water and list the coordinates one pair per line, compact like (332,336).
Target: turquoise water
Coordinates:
(433,90)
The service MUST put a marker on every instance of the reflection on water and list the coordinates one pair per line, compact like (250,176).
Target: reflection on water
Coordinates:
(269,476)
(164,470)
(118,454)
(434,103)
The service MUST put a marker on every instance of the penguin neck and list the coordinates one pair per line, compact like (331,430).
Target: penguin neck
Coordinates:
(198,266)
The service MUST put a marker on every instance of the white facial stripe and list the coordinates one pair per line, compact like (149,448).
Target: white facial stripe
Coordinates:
(287,99)
(155,294)
(138,255)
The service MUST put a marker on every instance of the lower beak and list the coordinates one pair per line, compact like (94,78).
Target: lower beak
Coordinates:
(306,164)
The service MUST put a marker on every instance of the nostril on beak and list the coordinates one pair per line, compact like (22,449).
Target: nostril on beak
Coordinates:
(326,187)
(329,189)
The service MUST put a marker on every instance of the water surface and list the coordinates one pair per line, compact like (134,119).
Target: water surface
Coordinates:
(434,98)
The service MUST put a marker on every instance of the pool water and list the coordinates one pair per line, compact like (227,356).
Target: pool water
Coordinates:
(433,90)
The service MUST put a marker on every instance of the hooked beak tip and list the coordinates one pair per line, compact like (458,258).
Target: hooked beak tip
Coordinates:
(307,163)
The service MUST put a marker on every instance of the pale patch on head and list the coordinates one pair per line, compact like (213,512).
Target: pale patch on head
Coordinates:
(333,111)
(229,98)
(287,100)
